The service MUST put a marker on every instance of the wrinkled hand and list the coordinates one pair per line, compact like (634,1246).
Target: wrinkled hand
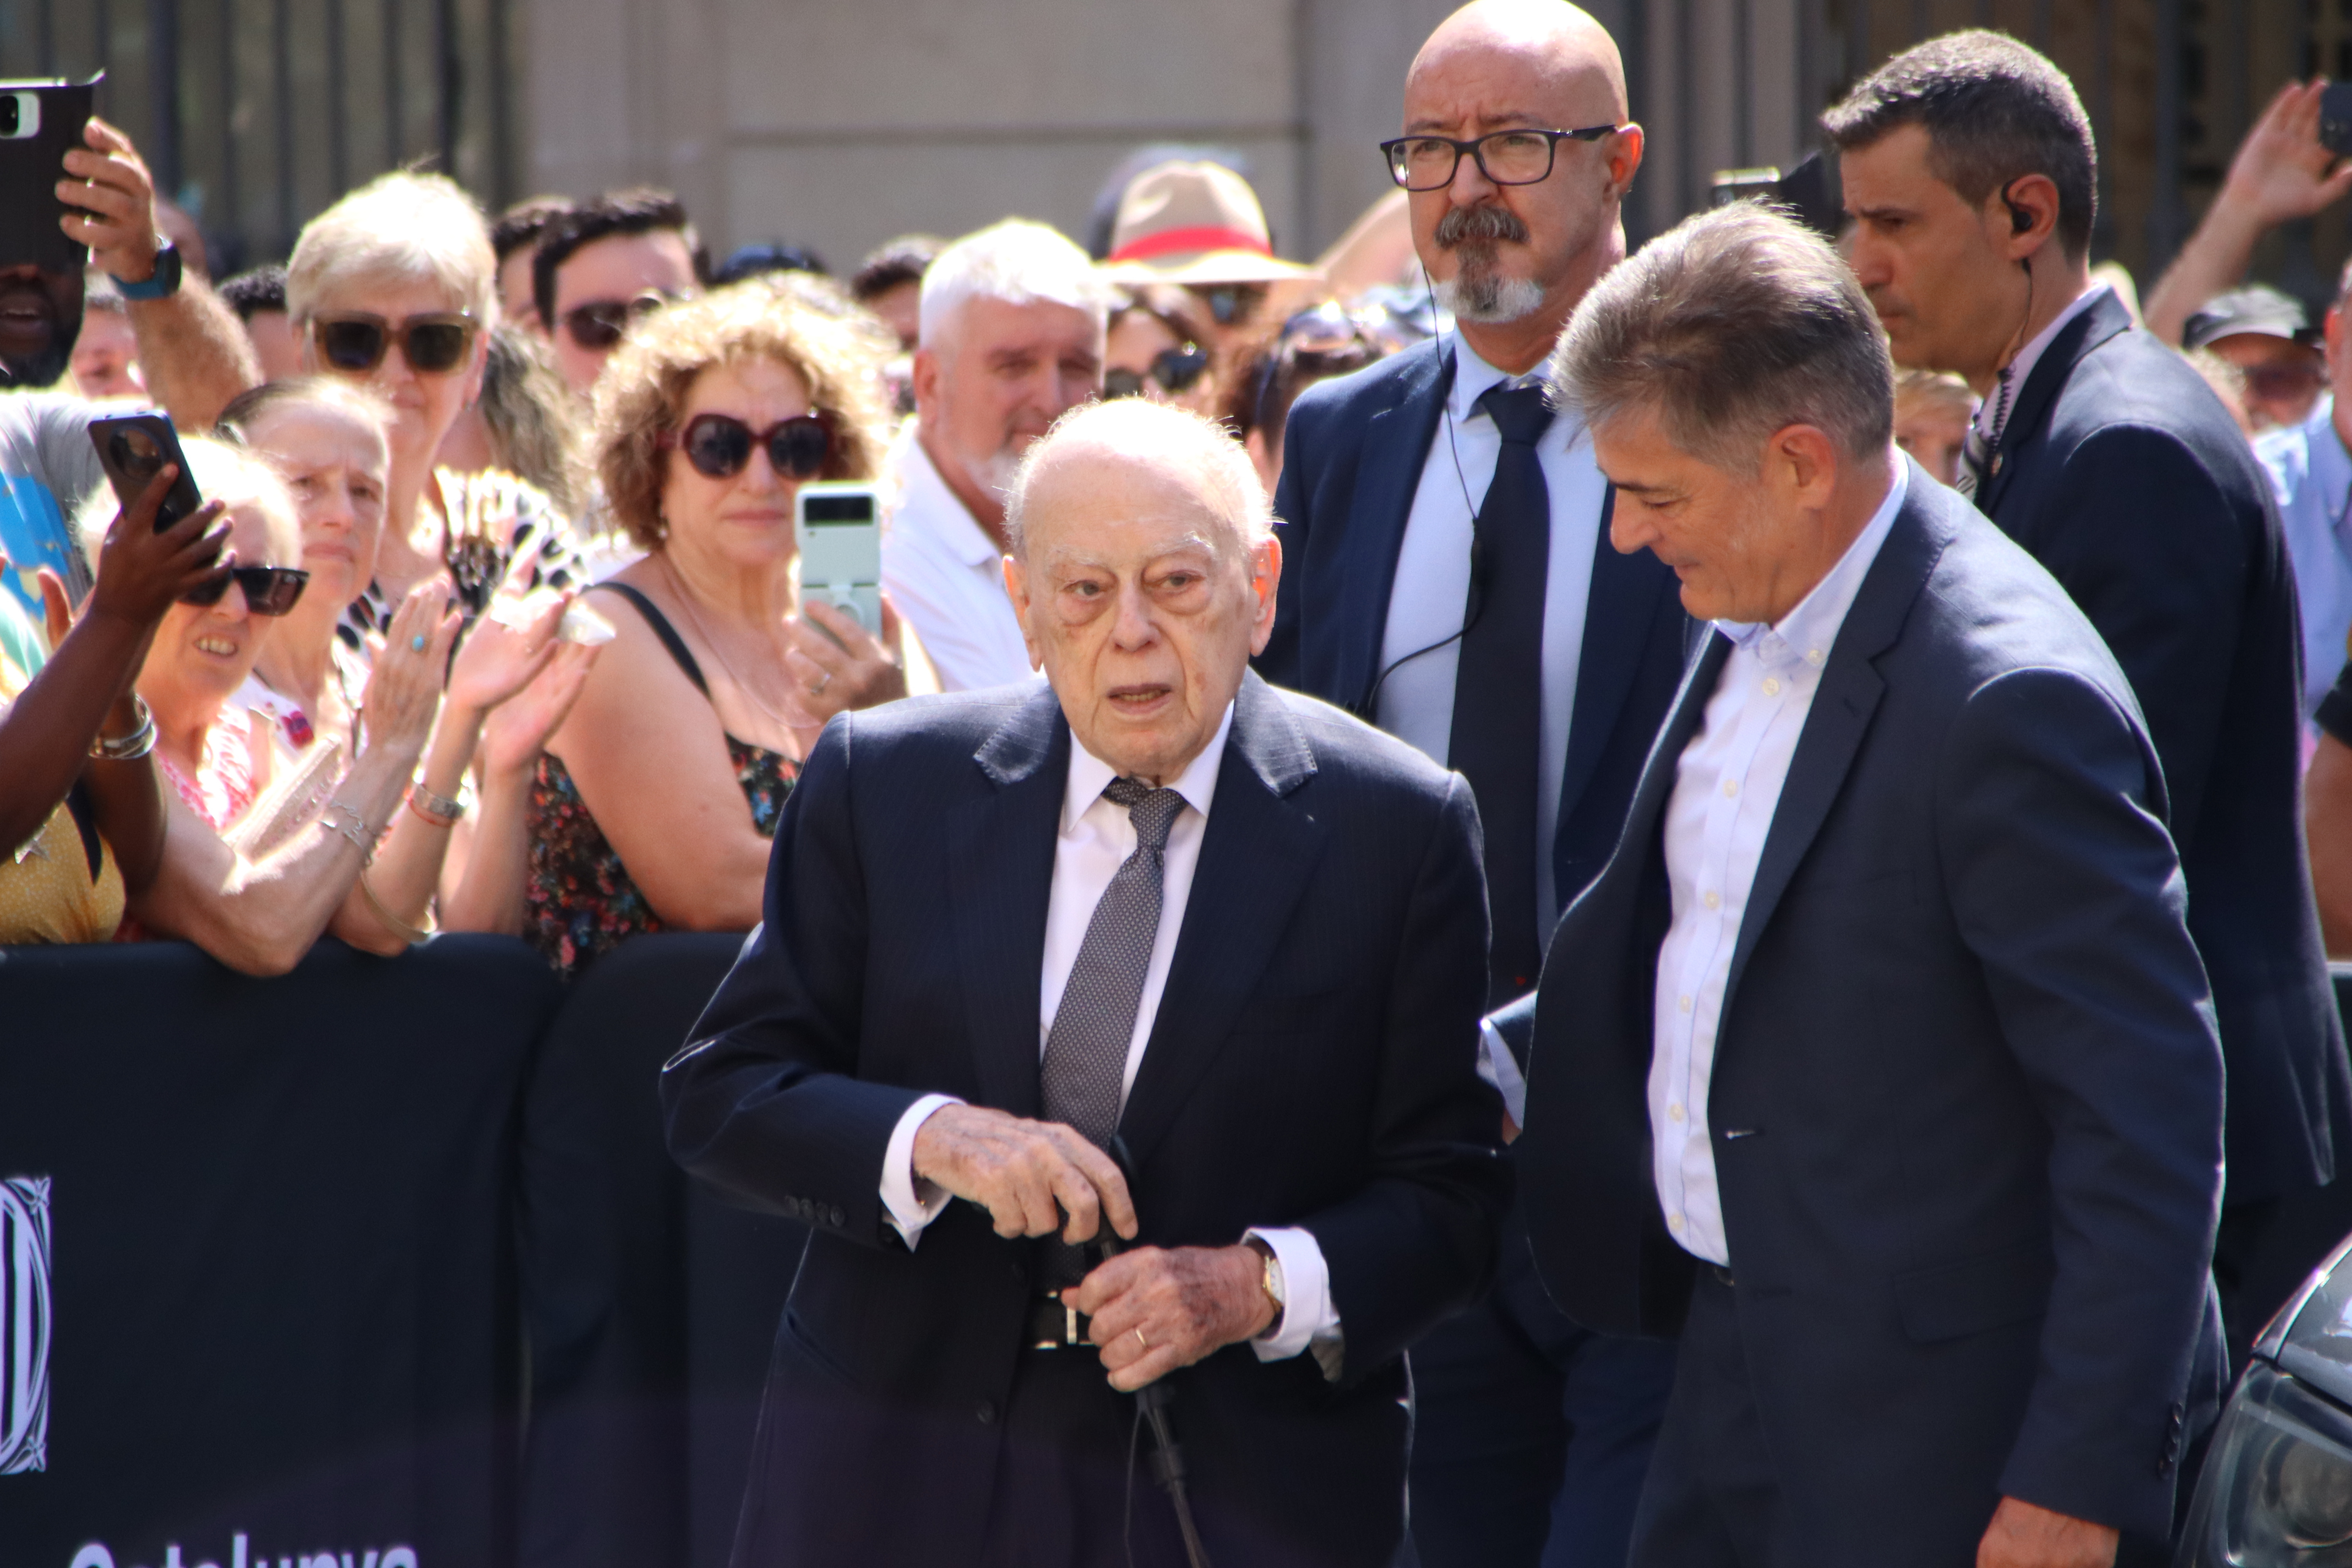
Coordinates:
(141,573)
(1187,1302)
(116,196)
(404,691)
(517,729)
(2281,171)
(835,677)
(1019,1170)
(2024,1536)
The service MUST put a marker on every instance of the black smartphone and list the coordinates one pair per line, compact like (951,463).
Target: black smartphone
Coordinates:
(132,448)
(40,122)
(2336,118)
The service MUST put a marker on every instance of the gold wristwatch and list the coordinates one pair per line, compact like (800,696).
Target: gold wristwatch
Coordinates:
(1269,1279)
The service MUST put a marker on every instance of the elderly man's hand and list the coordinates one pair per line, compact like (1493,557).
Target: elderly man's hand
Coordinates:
(115,198)
(2024,1536)
(1155,1310)
(1020,1171)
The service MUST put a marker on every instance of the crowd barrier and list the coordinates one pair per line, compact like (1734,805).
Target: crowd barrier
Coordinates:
(274,1256)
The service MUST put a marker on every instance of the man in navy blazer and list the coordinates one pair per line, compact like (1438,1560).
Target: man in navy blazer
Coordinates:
(1483,616)
(1159,909)
(2103,453)
(1879,1064)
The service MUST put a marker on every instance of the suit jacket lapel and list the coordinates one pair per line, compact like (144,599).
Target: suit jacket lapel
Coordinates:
(1256,858)
(1618,607)
(2102,320)
(1001,879)
(1396,442)
(1849,695)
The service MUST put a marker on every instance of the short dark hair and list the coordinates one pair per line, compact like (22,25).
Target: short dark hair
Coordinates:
(1994,110)
(520,225)
(640,209)
(251,292)
(761,256)
(1731,325)
(896,262)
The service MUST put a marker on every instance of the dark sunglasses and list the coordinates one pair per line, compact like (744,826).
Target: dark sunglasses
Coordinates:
(719,445)
(1230,302)
(355,343)
(601,323)
(1174,370)
(2281,380)
(268,590)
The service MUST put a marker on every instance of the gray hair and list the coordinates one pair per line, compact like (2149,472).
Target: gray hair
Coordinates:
(400,227)
(1994,110)
(1017,261)
(1138,425)
(1730,326)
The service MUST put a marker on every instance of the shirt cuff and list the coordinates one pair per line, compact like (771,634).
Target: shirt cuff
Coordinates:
(1499,1066)
(1308,1314)
(908,1205)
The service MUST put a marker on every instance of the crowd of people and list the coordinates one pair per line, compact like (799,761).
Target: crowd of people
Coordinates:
(490,621)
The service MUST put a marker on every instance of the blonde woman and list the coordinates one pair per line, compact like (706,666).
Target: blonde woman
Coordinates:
(654,805)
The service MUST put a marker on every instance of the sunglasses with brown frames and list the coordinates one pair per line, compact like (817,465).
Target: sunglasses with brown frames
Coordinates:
(355,342)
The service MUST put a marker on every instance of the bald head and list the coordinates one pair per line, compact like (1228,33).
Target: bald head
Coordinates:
(1553,56)
(1153,443)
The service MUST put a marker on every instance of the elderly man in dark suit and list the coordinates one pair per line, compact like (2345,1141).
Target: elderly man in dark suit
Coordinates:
(1968,166)
(1447,574)
(1157,908)
(1879,1063)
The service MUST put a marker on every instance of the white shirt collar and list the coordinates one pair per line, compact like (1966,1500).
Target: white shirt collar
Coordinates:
(1090,775)
(1807,633)
(926,503)
(2027,357)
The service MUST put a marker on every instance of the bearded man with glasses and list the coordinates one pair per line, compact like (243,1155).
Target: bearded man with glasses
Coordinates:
(1448,574)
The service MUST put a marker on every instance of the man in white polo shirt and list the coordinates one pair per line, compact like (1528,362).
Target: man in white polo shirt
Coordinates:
(1013,321)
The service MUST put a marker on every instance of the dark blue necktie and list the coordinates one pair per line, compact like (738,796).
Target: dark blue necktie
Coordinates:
(1498,689)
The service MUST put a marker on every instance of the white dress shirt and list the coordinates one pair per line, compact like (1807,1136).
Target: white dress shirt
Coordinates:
(1993,412)
(946,576)
(1095,837)
(1727,789)
(1433,586)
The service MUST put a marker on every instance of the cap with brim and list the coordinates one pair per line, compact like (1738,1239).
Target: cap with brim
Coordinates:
(2248,312)
(1196,224)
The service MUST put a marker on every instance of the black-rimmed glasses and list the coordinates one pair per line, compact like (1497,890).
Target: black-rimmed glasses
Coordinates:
(1504,157)
(1174,370)
(268,590)
(355,342)
(599,324)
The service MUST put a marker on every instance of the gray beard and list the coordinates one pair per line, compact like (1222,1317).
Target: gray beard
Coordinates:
(994,473)
(1476,293)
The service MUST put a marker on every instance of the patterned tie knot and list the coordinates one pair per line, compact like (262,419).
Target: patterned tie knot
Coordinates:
(1520,412)
(1152,810)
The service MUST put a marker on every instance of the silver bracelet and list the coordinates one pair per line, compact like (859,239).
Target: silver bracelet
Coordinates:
(431,805)
(356,830)
(132,747)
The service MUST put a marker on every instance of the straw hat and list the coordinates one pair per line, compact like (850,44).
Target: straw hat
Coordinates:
(1193,223)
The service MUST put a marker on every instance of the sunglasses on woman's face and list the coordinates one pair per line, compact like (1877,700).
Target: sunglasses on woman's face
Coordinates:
(268,590)
(719,445)
(599,325)
(355,342)
(1174,370)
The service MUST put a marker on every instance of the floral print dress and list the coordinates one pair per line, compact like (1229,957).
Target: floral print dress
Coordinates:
(580,900)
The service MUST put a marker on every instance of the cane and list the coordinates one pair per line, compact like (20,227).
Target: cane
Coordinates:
(1154,1399)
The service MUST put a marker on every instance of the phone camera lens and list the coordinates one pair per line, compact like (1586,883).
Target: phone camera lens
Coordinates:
(11,113)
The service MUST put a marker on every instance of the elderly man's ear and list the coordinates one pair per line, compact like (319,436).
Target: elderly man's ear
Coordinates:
(1016,588)
(1265,582)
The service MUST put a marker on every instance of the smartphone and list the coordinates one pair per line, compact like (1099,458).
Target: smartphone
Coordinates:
(132,447)
(2336,118)
(839,525)
(40,122)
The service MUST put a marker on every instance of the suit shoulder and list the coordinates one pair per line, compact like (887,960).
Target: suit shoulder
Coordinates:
(1345,746)
(2131,397)
(1359,392)
(1997,610)
(947,723)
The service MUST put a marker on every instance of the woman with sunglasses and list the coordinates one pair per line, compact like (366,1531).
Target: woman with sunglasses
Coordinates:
(654,805)
(1157,348)
(395,286)
(259,909)
(326,438)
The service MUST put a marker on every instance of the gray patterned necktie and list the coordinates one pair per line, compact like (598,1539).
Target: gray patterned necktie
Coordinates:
(1086,1050)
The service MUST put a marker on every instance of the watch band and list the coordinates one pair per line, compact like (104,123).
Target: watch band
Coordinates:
(162,283)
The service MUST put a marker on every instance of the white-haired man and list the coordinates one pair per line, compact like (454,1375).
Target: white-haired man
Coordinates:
(1156,913)
(1013,321)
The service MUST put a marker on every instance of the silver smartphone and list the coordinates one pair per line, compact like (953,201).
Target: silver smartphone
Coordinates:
(839,525)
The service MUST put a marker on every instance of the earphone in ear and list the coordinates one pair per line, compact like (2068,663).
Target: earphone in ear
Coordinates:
(2019,220)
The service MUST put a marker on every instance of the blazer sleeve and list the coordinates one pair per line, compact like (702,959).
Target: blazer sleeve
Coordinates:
(1279,664)
(1416,1242)
(2152,548)
(762,1101)
(2064,884)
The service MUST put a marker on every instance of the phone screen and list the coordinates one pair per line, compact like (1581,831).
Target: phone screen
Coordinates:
(2336,118)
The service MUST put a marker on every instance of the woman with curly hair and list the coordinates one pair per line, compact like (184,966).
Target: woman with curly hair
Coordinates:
(653,806)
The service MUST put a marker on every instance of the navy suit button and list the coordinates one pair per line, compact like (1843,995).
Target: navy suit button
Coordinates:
(987,1412)
(840,1220)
